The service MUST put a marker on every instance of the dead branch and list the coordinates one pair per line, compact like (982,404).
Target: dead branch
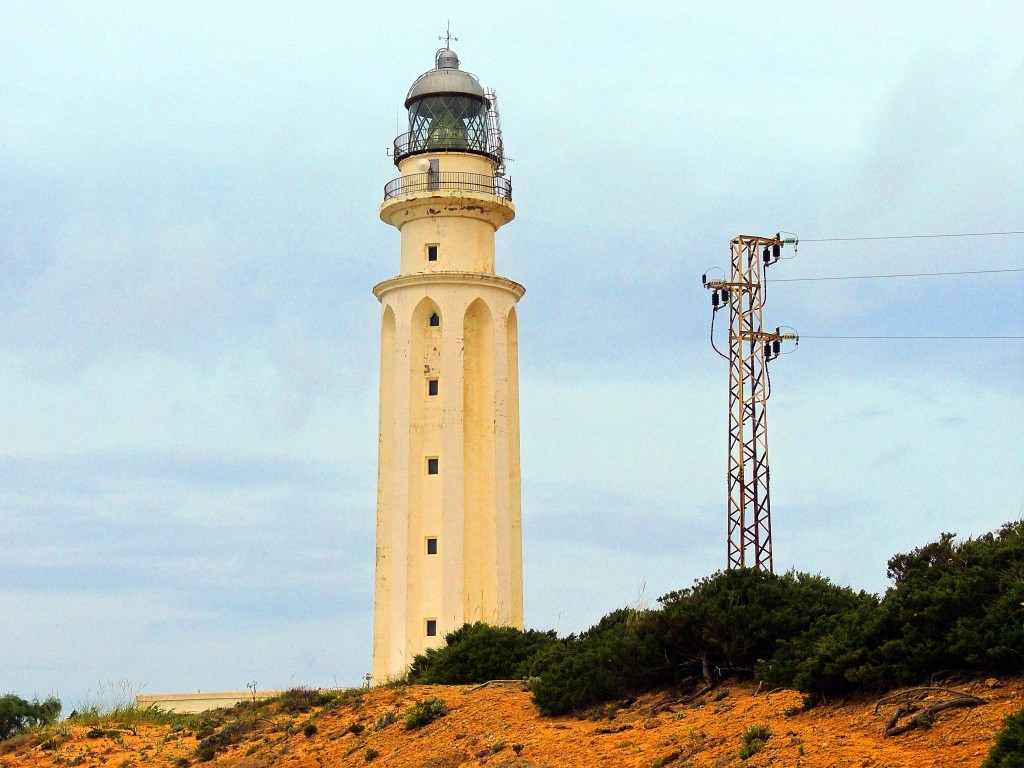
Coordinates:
(892,698)
(923,711)
(900,712)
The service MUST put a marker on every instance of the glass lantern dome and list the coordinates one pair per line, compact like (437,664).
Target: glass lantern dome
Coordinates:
(448,112)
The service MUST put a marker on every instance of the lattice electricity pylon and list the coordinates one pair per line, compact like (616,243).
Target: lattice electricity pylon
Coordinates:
(750,350)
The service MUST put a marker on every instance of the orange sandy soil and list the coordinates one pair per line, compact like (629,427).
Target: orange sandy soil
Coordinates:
(498,726)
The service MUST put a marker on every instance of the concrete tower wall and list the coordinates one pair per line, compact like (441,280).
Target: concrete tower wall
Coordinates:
(471,507)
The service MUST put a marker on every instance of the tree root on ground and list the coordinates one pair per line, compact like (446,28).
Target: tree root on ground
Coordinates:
(924,709)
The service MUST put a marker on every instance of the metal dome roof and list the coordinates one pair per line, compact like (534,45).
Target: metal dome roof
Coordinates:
(446,77)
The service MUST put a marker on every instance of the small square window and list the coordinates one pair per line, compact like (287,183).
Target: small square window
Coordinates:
(431,253)
(432,387)
(432,546)
(432,466)
(431,627)
(434,320)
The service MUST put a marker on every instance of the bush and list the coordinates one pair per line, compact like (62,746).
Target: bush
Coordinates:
(956,606)
(298,701)
(1008,750)
(952,607)
(230,734)
(425,712)
(476,653)
(17,714)
(388,718)
(733,621)
(836,655)
(617,656)
(754,738)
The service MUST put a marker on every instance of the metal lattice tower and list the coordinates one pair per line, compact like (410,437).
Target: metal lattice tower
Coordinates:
(750,350)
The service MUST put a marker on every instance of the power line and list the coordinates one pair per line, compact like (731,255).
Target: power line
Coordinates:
(908,237)
(803,336)
(903,274)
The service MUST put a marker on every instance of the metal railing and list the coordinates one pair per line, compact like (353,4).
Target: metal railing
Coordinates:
(411,144)
(449,181)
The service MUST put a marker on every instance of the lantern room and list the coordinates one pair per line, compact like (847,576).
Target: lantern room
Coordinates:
(449,111)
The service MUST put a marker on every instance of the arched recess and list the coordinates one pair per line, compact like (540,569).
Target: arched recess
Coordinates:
(480,532)
(385,489)
(425,499)
(514,470)
(387,408)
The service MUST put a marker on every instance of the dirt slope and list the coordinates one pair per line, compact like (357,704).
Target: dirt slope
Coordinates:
(498,726)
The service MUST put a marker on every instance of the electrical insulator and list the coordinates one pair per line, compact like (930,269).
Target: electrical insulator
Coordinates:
(725,295)
(704,279)
(767,255)
(768,349)
(714,299)
(777,251)
(776,347)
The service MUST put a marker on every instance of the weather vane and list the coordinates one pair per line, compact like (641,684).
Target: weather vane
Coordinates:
(448,36)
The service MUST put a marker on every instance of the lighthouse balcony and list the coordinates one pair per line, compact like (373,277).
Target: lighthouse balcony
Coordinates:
(475,142)
(441,182)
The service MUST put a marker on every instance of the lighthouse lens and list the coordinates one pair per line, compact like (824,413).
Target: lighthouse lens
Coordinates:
(448,123)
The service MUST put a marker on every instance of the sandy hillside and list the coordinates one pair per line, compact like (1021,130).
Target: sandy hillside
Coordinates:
(498,726)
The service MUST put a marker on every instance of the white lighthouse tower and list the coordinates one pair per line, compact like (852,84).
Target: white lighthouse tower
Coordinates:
(449,531)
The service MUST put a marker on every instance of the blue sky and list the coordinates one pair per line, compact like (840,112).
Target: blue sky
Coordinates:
(189,235)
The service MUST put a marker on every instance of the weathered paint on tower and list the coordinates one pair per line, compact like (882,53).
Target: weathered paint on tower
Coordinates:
(449,531)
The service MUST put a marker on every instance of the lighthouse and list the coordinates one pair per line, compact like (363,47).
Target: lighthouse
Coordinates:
(449,521)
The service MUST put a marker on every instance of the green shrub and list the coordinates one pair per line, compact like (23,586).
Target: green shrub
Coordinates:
(726,624)
(1008,750)
(733,621)
(230,734)
(952,607)
(619,655)
(837,654)
(298,701)
(17,714)
(762,732)
(754,738)
(371,755)
(425,712)
(956,606)
(476,653)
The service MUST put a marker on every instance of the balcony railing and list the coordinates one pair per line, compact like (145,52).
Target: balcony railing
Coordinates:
(449,181)
(412,144)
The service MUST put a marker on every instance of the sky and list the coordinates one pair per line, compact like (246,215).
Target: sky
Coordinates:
(189,343)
